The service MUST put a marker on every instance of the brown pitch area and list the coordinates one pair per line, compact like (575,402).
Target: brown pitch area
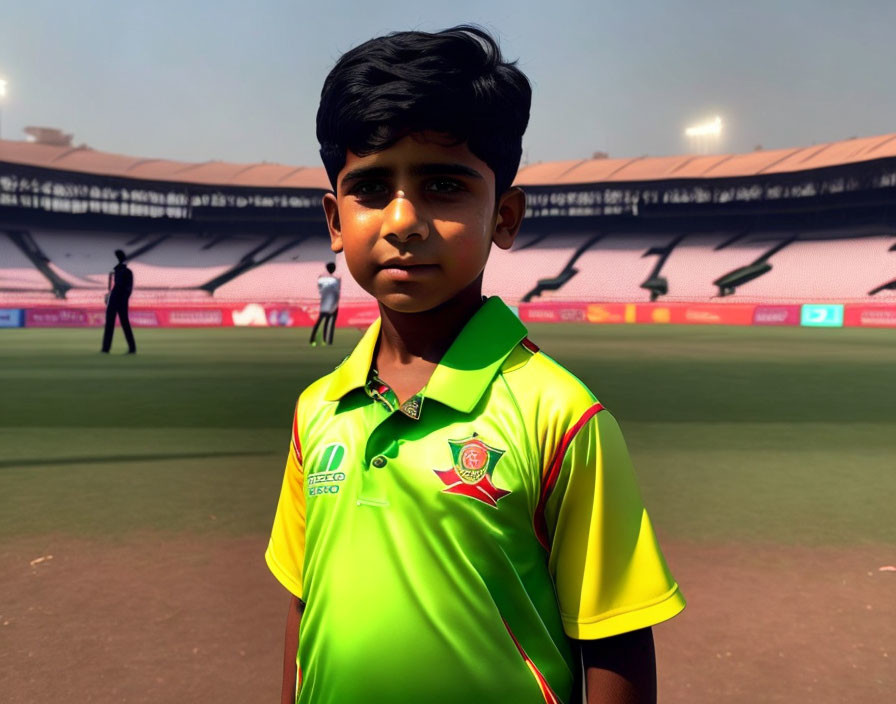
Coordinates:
(200,619)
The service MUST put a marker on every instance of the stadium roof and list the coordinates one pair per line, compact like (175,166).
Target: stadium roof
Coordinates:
(666,168)
(213,173)
(267,175)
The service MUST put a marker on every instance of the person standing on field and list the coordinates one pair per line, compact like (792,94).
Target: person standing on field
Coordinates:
(121,283)
(459,519)
(329,287)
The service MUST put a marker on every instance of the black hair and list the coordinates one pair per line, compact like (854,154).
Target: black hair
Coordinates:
(454,82)
(331,267)
(119,253)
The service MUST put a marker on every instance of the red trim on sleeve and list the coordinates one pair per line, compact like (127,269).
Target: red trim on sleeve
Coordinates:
(547,486)
(546,691)
(529,345)
(296,443)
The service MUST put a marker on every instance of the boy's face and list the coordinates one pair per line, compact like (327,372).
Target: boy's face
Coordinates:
(417,220)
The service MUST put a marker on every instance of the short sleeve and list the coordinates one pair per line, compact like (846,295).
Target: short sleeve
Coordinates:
(286,550)
(607,566)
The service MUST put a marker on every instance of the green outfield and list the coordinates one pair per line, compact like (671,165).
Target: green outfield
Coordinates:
(770,434)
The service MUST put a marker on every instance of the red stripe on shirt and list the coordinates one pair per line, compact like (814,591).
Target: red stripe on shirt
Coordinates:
(296,443)
(541,528)
(529,345)
(546,691)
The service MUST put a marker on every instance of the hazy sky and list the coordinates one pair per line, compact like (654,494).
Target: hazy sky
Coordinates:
(239,81)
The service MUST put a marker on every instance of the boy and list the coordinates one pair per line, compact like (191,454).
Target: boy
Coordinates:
(459,520)
(328,288)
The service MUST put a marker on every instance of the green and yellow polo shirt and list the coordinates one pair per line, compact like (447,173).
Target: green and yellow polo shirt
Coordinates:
(447,548)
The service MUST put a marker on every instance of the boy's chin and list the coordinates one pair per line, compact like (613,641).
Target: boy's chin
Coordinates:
(408,305)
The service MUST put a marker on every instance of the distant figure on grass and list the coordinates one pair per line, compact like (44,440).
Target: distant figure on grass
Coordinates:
(121,283)
(328,286)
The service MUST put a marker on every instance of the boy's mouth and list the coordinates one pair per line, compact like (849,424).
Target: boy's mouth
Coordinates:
(406,268)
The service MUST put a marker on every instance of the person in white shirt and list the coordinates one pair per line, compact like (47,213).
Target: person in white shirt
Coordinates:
(329,287)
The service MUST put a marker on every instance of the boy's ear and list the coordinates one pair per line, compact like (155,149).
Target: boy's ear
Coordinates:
(331,210)
(510,211)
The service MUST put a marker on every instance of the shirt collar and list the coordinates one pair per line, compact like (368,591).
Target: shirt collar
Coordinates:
(466,369)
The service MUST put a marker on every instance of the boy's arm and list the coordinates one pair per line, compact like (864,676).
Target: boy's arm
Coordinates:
(290,648)
(620,669)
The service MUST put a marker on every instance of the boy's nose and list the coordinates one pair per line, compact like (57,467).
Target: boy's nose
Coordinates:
(402,220)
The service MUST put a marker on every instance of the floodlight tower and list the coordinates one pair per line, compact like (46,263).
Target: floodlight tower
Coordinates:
(2,96)
(705,137)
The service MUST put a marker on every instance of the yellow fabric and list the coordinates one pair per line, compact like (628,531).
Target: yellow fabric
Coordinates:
(286,547)
(606,563)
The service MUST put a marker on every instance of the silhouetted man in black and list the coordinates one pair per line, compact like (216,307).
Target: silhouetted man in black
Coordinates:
(121,283)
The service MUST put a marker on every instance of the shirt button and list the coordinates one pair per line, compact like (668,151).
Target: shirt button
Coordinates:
(379,461)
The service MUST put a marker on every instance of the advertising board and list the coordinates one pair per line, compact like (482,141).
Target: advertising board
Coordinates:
(551,312)
(359,315)
(870,316)
(695,313)
(777,315)
(58,318)
(11,317)
(821,315)
(610,313)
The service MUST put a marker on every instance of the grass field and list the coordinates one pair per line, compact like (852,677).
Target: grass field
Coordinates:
(743,438)
(737,433)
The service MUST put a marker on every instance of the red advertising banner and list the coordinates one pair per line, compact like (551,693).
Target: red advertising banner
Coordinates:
(777,315)
(869,316)
(695,313)
(551,312)
(676,313)
(361,315)
(240,315)
(611,313)
(61,318)
(192,317)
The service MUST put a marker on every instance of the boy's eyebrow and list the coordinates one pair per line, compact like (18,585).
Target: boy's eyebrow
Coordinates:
(427,169)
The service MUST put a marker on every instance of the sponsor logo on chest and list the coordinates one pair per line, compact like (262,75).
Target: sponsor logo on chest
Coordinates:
(327,477)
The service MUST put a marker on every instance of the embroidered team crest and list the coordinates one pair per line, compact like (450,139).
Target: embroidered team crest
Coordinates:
(471,475)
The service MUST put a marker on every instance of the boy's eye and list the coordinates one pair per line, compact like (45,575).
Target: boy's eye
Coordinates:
(445,185)
(368,188)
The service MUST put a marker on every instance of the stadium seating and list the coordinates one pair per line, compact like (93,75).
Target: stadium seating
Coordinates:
(836,267)
(512,273)
(82,259)
(833,270)
(291,275)
(613,269)
(696,262)
(17,273)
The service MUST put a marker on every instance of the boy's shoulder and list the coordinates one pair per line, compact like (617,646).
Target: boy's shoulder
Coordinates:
(536,378)
(315,393)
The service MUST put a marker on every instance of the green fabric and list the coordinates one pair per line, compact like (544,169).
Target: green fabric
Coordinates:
(414,542)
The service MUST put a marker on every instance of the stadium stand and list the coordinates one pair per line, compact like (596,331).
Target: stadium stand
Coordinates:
(612,269)
(512,273)
(699,260)
(588,267)
(824,270)
(291,275)
(17,273)
(81,258)
(752,227)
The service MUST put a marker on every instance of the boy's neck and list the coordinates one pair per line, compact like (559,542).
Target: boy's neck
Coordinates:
(407,339)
